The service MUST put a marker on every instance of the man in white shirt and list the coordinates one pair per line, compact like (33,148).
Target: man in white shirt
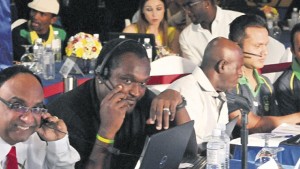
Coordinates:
(204,88)
(210,21)
(27,132)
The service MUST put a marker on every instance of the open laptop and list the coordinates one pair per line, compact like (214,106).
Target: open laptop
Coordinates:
(135,36)
(230,125)
(165,149)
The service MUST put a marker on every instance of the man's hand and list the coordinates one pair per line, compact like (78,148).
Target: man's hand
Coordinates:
(163,108)
(51,128)
(113,109)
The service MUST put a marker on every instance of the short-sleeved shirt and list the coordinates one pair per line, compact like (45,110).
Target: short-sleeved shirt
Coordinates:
(262,100)
(205,105)
(21,36)
(287,88)
(194,39)
(80,107)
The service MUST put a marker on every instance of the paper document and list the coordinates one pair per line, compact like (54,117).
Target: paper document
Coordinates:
(285,128)
(258,140)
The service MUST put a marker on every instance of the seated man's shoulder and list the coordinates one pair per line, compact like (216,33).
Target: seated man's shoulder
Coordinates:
(284,78)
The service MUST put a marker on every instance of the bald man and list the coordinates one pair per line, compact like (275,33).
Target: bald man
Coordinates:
(204,88)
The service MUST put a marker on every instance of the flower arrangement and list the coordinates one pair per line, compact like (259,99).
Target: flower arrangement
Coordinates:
(270,12)
(83,45)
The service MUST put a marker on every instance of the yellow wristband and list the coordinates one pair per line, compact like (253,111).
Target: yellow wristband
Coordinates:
(104,140)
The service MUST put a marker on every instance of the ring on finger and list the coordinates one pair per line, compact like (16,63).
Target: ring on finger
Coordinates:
(167,110)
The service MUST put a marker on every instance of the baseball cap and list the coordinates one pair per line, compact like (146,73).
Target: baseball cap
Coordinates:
(50,6)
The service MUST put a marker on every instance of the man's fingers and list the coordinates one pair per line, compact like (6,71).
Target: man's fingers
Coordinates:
(115,90)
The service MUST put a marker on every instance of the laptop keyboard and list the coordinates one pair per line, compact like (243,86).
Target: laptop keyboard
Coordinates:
(198,162)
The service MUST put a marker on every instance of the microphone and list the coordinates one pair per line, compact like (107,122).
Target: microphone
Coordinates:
(252,54)
(241,102)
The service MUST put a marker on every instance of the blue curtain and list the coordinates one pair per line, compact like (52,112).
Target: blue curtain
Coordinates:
(5,34)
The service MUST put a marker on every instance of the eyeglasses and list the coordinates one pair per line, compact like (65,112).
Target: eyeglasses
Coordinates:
(189,5)
(23,109)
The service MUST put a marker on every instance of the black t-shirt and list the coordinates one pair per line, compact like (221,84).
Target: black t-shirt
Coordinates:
(79,108)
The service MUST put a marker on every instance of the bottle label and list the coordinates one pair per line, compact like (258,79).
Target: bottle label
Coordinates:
(56,44)
(213,157)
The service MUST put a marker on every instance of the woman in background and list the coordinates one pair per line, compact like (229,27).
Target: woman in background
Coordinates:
(153,20)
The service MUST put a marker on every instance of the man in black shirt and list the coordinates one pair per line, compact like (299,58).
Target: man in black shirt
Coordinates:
(111,111)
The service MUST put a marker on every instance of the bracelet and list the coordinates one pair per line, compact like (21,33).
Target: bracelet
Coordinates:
(182,104)
(104,140)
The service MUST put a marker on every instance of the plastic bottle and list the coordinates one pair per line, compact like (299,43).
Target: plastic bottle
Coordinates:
(215,151)
(38,54)
(56,46)
(294,16)
(226,140)
(148,47)
(48,63)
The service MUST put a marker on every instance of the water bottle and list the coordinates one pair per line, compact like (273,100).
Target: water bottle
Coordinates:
(294,16)
(148,48)
(38,50)
(56,46)
(226,140)
(215,151)
(48,63)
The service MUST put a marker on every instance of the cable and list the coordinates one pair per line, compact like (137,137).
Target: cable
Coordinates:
(109,149)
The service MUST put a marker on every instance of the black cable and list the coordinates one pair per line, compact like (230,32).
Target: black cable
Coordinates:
(109,149)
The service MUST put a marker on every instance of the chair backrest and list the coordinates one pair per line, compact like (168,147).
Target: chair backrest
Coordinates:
(17,23)
(276,59)
(166,70)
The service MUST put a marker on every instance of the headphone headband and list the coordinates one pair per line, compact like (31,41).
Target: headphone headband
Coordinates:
(101,67)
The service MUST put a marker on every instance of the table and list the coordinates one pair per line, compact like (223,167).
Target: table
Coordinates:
(236,164)
(289,156)
(55,86)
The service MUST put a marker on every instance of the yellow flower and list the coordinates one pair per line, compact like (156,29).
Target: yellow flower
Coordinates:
(84,46)
(270,12)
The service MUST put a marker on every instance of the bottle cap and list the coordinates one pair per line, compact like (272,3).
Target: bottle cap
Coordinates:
(96,36)
(39,40)
(147,40)
(56,32)
(216,132)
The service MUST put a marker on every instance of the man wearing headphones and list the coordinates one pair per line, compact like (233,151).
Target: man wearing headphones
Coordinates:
(251,33)
(107,115)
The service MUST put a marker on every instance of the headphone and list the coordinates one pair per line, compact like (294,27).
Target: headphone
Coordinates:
(102,70)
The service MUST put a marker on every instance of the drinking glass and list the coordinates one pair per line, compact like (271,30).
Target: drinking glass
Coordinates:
(276,31)
(267,152)
(27,59)
(27,56)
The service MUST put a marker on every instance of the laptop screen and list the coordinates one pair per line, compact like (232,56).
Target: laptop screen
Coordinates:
(135,36)
(165,149)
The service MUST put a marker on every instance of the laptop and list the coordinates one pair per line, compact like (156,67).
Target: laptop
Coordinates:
(165,149)
(135,36)
(230,125)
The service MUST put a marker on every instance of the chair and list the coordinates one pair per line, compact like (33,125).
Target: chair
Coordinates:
(17,23)
(276,61)
(166,70)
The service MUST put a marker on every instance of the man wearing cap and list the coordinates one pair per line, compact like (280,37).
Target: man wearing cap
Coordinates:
(42,16)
